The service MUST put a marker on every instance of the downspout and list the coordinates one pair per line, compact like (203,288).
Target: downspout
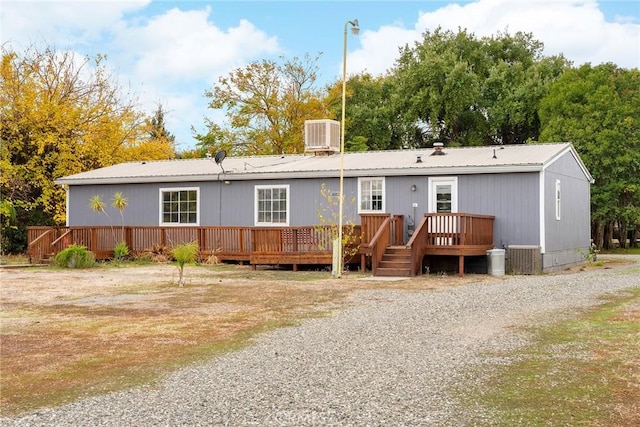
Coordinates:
(543,242)
(68,212)
(219,199)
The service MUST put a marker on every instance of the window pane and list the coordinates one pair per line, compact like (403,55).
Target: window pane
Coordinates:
(180,207)
(271,205)
(443,198)
(371,194)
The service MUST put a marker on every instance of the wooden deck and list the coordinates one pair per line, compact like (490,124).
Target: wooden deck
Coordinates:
(451,234)
(437,234)
(255,245)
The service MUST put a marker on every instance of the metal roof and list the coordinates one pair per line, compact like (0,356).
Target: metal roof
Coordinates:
(464,160)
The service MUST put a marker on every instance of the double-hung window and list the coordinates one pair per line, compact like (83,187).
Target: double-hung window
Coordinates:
(272,205)
(179,206)
(370,195)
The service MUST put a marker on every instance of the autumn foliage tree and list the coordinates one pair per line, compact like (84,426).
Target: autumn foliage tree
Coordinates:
(61,114)
(266,104)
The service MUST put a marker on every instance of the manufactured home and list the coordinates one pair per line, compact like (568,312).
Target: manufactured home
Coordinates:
(536,196)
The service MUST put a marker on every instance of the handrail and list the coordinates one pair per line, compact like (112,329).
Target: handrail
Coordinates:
(40,237)
(379,243)
(69,231)
(417,243)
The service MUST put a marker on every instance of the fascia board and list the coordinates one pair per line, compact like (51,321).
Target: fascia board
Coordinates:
(570,148)
(353,173)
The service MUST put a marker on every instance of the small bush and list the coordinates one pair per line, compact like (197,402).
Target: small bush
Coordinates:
(121,251)
(156,253)
(186,253)
(75,256)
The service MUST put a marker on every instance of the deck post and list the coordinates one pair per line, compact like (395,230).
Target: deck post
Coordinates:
(128,238)
(461,265)
(94,240)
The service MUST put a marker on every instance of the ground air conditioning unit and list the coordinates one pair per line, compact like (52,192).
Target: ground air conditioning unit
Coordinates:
(524,259)
(322,136)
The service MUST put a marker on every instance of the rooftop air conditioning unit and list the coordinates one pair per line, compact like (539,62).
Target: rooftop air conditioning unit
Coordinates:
(322,135)
(524,259)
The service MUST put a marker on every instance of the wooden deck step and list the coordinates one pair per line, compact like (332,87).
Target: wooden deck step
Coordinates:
(396,261)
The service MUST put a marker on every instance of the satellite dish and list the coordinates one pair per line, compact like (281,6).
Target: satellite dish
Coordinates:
(220,155)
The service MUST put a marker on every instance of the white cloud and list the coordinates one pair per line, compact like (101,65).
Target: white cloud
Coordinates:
(184,45)
(177,55)
(380,49)
(61,23)
(575,28)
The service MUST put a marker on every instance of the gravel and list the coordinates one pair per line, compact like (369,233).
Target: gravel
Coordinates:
(390,358)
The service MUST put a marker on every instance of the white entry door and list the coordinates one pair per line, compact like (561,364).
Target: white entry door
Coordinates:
(443,198)
(443,194)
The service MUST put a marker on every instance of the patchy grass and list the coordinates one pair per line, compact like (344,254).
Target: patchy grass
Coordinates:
(14,259)
(54,354)
(71,334)
(626,251)
(584,371)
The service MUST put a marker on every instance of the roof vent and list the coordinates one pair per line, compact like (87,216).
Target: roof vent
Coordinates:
(418,158)
(438,149)
(322,135)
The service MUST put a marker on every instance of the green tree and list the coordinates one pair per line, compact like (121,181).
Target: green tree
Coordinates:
(372,119)
(215,140)
(598,109)
(461,90)
(157,128)
(266,104)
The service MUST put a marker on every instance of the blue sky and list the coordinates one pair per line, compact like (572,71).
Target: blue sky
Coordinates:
(170,52)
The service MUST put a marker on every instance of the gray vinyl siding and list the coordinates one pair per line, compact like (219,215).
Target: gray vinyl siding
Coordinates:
(142,205)
(565,238)
(512,198)
(229,204)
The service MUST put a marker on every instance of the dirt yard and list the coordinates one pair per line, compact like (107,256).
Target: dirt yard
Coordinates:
(67,334)
(72,333)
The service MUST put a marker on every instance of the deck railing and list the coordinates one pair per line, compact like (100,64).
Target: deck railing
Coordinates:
(418,243)
(379,243)
(226,243)
(437,234)
(456,234)
(370,223)
(458,229)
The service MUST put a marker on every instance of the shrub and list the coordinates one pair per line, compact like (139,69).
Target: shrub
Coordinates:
(121,251)
(75,256)
(156,253)
(185,254)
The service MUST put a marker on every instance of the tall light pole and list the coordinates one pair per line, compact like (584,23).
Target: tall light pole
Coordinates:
(355,29)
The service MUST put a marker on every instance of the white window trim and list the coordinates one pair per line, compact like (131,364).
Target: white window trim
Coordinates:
(433,181)
(384,194)
(558,199)
(175,224)
(255,206)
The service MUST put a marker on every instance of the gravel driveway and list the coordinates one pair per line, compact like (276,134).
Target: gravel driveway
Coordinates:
(390,358)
